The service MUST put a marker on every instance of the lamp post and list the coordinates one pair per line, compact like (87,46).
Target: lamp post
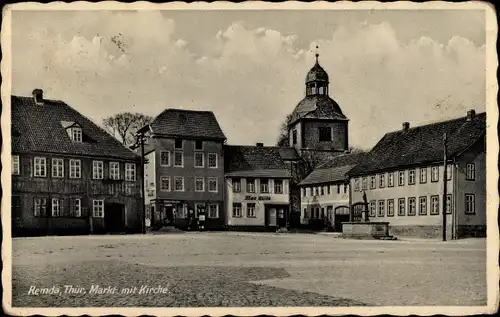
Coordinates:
(445,183)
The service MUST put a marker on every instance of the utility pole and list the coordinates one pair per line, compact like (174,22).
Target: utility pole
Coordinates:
(445,183)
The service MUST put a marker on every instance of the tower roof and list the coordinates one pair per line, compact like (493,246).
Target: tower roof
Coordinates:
(317,107)
(317,73)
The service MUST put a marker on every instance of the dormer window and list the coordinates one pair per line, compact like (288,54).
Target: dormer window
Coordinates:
(76,134)
(74,130)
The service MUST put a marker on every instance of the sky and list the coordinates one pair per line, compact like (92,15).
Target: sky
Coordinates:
(249,67)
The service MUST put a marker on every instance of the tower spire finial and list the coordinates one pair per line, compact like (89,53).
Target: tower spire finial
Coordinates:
(317,53)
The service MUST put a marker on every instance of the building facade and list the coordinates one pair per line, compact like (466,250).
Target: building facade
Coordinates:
(257,186)
(185,169)
(403,179)
(325,194)
(68,175)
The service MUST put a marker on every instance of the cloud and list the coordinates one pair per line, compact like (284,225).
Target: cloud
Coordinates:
(250,77)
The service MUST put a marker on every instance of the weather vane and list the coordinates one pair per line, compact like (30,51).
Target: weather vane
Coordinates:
(317,54)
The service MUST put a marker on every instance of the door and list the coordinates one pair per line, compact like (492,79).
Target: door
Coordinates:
(282,214)
(16,216)
(114,217)
(271,216)
(341,215)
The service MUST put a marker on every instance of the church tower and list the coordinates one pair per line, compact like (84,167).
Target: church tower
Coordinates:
(317,122)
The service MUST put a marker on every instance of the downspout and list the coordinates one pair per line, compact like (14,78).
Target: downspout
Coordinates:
(350,198)
(455,199)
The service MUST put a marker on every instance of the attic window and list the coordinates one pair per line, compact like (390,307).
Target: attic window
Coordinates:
(76,134)
(325,134)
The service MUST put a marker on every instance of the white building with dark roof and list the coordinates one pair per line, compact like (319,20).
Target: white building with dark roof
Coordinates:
(257,186)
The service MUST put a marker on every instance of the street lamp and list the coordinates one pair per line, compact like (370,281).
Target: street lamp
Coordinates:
(140,139)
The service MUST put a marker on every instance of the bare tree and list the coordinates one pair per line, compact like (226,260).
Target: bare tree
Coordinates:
(124,125)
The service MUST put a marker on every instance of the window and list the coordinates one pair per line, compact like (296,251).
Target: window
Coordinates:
(325,134)
(199,159)
(470,207)
(165,158)
(278,186)
(322,189)
(306,214)
(411,177)
(264,185)
(251,210)
(40,167)
(40,207)
(97,169)
(212,184)
(114,170)
(75,169)
(346,188)
(434,205)
(322,215)
(294,137)
(302,192)
(179,183)
(401,207)
(449,204)
(390,207)
(236,185)
(236,210)
(57,205)
(250,185)
(15,165)
(198,145)
(365,183)
(75,207)
(178,144)
(449,172)
(470,172)
(401,178)
(15,207)
(356,184)
(422,205)
(390,179)
(373,182)
(381,208)
(165,183)
(212,160)
(423,175)
(57,168)
(76,134)
(199,208)
(338,188)
(372,208)
(412,206)
(213,211)
(130,172)
(199,185)
(435,174)
(178,159)
(381,180)
(98,208)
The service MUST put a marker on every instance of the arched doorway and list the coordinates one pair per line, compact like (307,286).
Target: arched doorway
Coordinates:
(341,215)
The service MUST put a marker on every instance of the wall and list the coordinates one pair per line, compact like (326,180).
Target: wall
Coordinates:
(259,220)
(476,155)
(417,190)
(333,199)
(150,177)
(189,172)
(298,127)
(27,187)
(339,135)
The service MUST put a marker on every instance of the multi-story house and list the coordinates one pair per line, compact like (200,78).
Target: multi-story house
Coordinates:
(69,176)
(403,179)
(184,167)
(257,186)
(325,193)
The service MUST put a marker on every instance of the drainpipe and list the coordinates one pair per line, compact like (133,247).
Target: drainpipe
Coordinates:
(455,199)
(350,199)
(445,184)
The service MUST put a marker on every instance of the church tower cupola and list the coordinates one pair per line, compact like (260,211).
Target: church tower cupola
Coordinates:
(317,80)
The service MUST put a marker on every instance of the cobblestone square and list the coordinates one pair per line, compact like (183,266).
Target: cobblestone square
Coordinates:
(245,269)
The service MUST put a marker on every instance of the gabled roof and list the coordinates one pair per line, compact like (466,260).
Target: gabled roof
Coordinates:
(257,161)
(187,123)
(40,128)
(334,170)
(423,144)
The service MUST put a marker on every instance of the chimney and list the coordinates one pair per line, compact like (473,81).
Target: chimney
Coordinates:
(406,126)
(260,144)
(471,114)
(38,96)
